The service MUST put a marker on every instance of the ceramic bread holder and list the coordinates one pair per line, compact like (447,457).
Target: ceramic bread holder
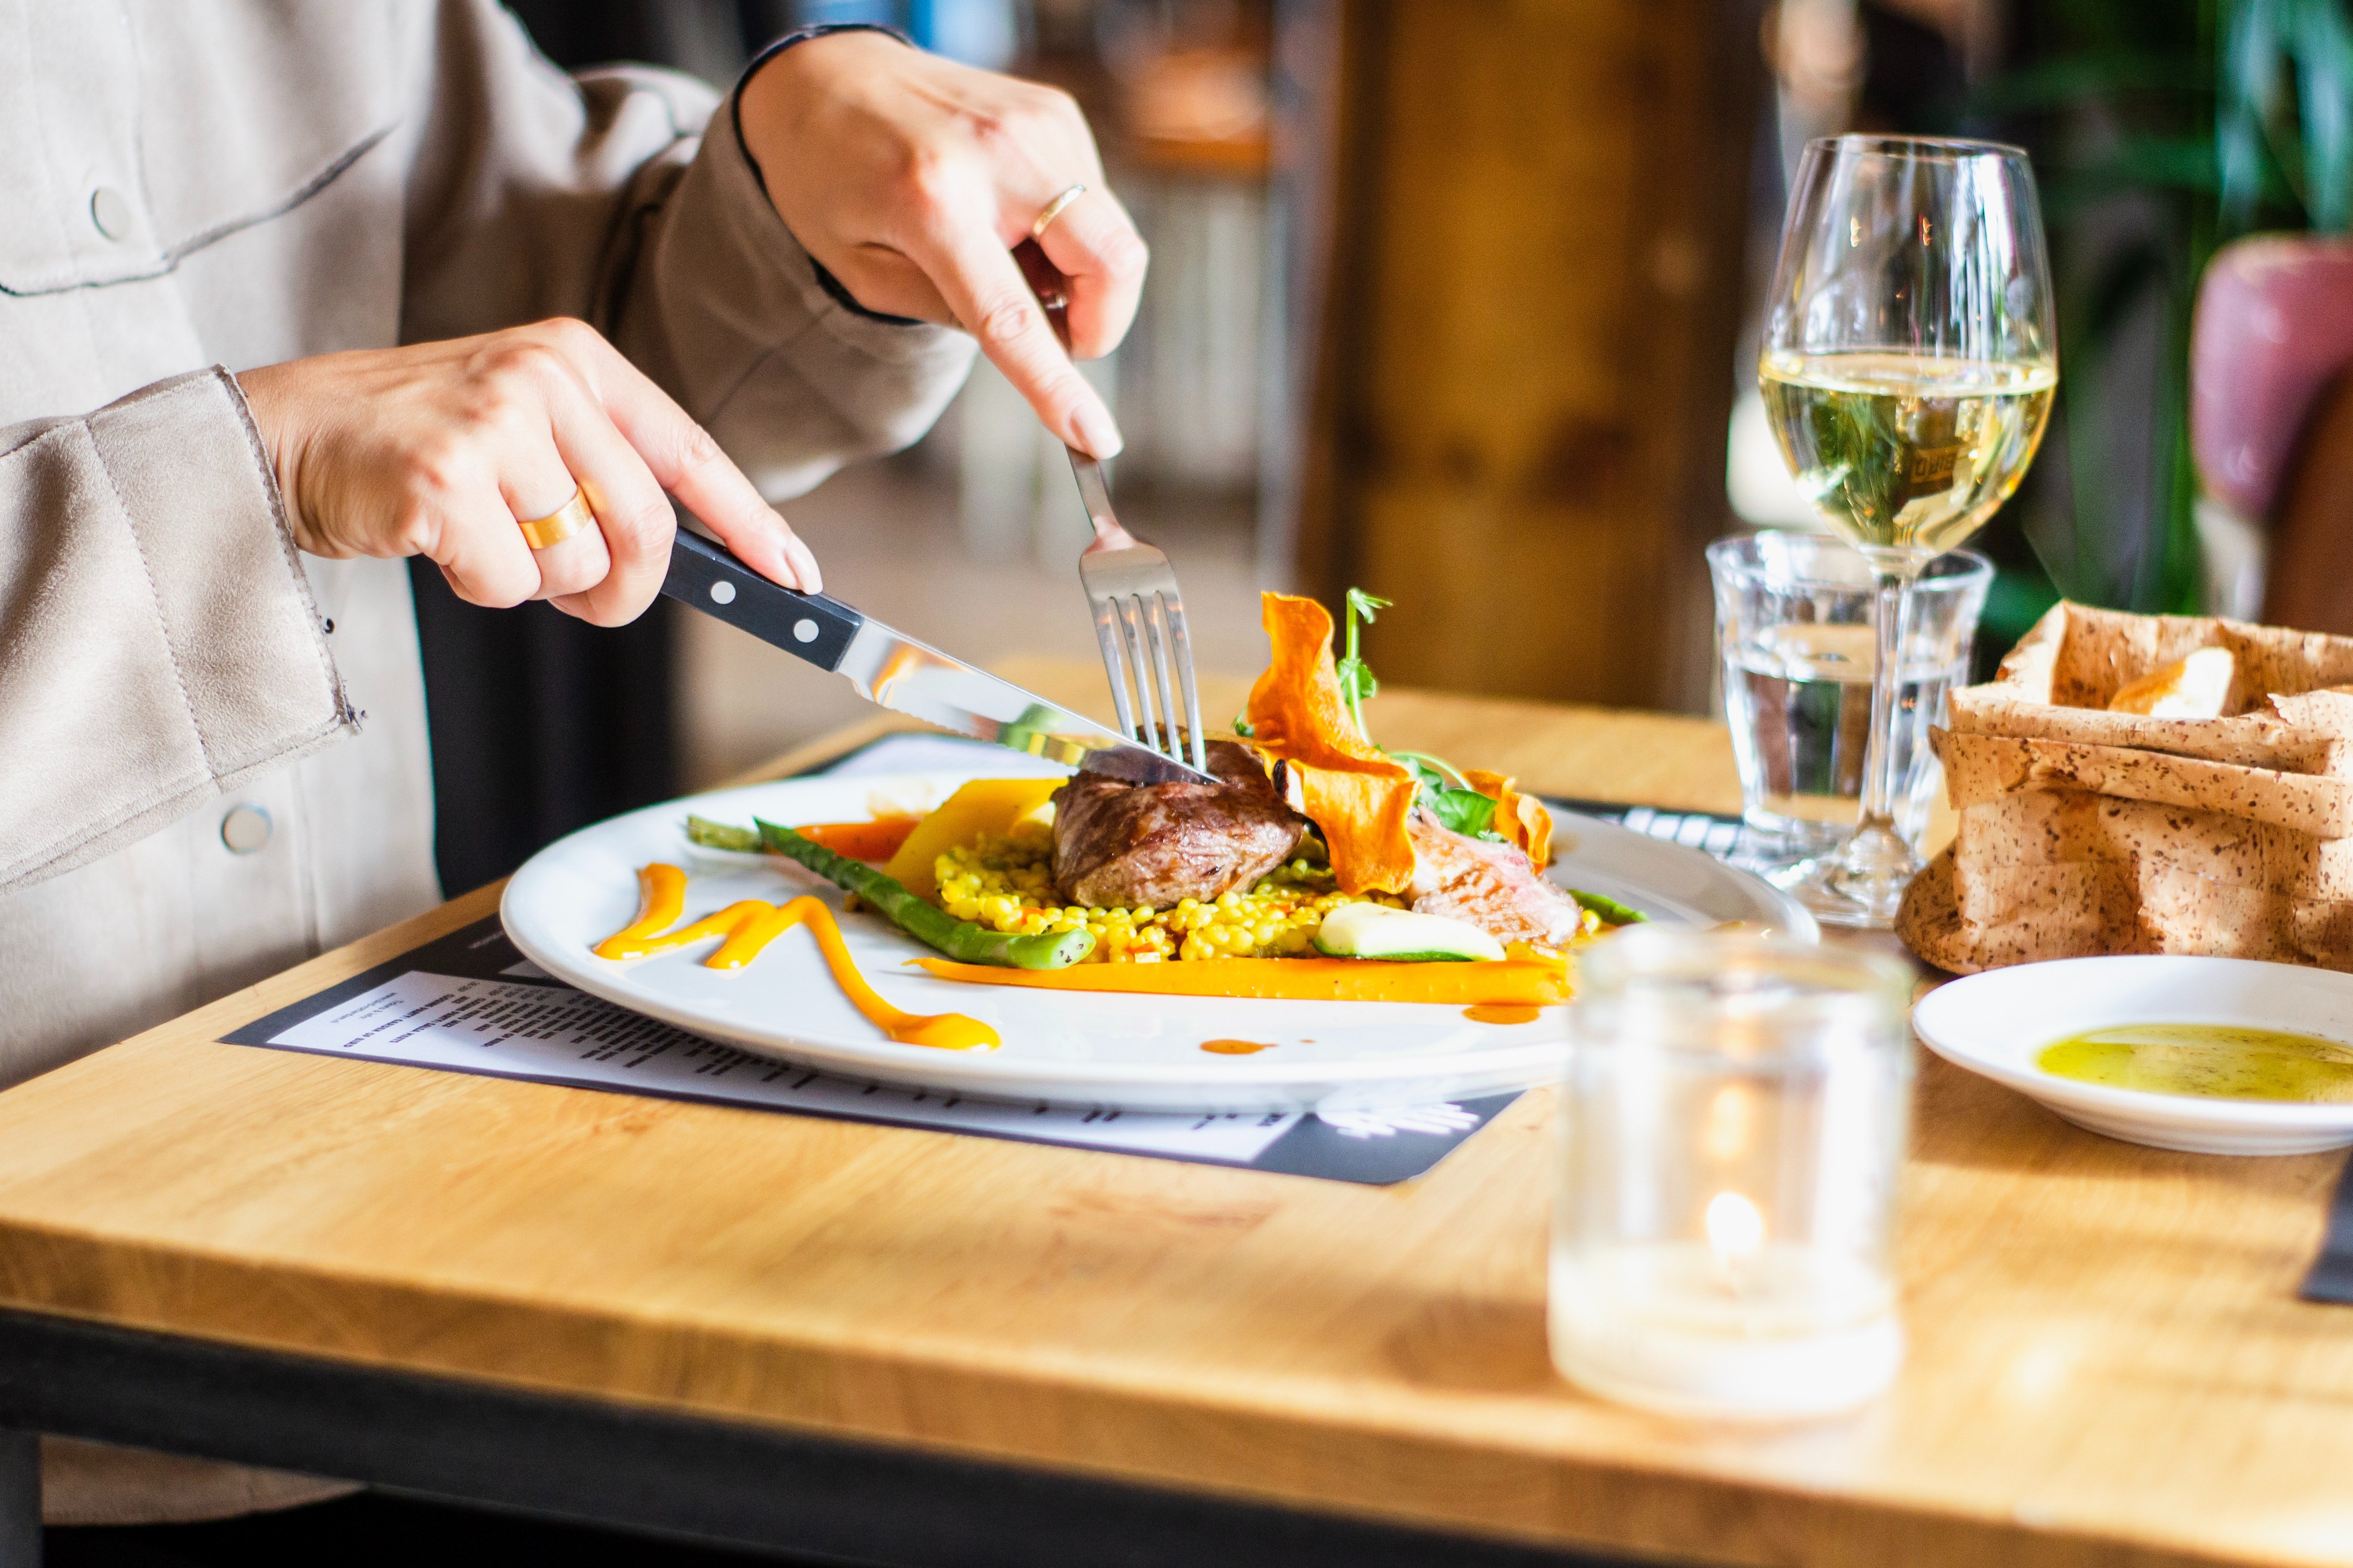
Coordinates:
(2084,831)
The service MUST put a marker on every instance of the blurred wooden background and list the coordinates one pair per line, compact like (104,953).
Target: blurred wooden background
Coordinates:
(1528,324)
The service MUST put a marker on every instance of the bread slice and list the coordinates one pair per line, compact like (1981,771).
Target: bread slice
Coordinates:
(2195,687)
(2148,783)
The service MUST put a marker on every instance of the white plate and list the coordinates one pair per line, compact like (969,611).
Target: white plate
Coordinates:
(1142,1052)
(1998,1021)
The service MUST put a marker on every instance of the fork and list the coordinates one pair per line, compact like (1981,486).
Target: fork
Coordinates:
(1131,589)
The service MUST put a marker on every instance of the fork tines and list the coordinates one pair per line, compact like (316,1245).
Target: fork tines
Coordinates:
(1146,653)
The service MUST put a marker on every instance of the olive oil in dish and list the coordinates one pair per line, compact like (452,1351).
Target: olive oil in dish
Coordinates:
(2218,1061)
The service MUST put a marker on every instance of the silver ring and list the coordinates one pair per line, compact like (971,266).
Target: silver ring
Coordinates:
(1055,209)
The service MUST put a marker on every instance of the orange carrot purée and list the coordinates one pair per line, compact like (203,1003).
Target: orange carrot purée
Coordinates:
(1524,980)
(750,925)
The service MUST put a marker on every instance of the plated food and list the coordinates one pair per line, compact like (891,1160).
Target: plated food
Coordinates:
(1234,1030)
(1318,866)
(1060,1044)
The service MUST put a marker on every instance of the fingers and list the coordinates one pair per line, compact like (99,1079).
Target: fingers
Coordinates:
(445,449)
(537,478)
(634,520)
(982,285)
(473,439)
(575,564)
(1093,243)
(478,546)
(680,458)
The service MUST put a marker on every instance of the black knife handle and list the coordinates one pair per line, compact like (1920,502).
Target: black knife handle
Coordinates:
(710,578)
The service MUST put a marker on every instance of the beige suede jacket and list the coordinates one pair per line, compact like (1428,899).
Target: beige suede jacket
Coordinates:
(212,748)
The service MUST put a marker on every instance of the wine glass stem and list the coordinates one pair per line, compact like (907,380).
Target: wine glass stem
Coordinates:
(1883,758)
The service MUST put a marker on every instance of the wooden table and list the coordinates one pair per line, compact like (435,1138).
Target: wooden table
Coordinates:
(925,1348)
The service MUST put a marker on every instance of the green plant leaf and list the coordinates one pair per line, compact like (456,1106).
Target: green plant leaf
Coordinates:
(1465,811)
(2138,162)
(1430,779)
(1357,682)
(2143,137)
(1453,803)
(2067,81)
(2324,79)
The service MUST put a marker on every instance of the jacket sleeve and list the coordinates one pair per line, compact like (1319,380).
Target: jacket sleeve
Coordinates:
(532,193)
(144,676)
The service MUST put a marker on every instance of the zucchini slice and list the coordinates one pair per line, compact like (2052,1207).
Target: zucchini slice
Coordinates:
(1400,936)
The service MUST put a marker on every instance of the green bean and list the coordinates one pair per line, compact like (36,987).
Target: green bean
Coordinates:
(961,939)
(1608,909)
(712,835)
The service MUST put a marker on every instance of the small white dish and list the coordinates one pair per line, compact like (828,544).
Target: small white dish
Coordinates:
(1996,1023)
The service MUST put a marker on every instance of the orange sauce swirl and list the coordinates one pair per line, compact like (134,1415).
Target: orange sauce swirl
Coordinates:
(749,925)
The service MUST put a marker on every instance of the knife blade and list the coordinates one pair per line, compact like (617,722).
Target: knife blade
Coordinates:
(899,672)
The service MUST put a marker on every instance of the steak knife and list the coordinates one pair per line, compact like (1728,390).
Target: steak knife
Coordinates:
(891,668)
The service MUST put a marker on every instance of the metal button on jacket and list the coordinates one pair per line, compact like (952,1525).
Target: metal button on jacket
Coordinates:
(111,213)
(245,829)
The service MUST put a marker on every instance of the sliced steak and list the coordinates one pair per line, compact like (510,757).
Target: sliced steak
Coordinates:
(1492,886)
(1157,844)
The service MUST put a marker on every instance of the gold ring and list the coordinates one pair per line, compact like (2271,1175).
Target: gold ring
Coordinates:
(543,533)
(1055,209)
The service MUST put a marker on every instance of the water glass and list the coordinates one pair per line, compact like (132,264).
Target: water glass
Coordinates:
(1730,1133)
(1793,618)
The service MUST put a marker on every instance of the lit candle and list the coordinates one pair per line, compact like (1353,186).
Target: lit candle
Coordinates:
(1736,1230)
(1731,1125)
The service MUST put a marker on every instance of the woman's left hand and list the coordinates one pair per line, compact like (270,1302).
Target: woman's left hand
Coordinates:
(911,177)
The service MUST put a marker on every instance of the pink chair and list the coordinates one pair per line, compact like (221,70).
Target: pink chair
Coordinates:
(2271,414)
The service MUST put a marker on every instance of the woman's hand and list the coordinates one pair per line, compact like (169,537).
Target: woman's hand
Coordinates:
(911,177)
(442,449)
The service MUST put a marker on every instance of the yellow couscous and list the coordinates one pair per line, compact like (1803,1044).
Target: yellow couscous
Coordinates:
(1006,882)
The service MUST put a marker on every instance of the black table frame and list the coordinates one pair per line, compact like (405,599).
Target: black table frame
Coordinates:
(729,1483)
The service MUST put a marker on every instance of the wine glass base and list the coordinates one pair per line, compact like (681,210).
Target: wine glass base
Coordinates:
(1835,896)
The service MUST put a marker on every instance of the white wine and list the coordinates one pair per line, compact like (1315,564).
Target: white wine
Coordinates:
(1905,451)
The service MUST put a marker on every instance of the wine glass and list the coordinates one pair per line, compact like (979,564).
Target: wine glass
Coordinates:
(1907,369)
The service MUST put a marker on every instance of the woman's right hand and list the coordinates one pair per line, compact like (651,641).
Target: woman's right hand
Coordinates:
(441,450)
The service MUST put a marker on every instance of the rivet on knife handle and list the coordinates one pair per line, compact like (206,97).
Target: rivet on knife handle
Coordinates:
(710,577)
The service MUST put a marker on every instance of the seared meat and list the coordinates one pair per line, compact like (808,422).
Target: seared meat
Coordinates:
(1155,844)
(1492,886)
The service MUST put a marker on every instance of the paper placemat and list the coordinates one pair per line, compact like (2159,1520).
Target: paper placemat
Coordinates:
(471,1003)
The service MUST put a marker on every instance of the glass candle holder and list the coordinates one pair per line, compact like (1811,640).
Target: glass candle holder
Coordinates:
(1732,1125)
